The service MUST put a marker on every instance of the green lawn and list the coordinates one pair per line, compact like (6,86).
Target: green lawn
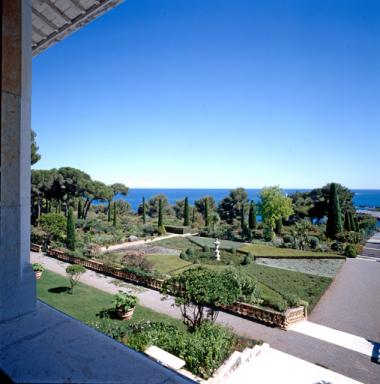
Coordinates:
(307,287)
(180,243)
(261,250)
(209,241)
(168,264)
(86,302)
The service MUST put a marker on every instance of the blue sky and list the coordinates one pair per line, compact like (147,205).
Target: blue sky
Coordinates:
(216,93)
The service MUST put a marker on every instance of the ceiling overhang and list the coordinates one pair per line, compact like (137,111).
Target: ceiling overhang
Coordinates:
(53,20)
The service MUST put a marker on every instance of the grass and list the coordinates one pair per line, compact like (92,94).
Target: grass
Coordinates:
(209,241)
(307,287)
(180,243)
(261,250)
(87,302)
(168,264)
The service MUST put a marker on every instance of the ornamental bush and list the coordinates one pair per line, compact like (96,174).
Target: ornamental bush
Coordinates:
(350,250)
(203,350)
(74,272)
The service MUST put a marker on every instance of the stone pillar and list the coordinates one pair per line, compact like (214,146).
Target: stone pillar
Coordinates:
(17,282)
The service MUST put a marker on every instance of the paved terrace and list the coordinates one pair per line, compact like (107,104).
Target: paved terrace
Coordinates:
(317,341)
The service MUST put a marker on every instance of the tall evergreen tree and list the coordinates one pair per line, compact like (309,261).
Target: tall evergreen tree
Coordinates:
(186,218)
(334,218)
(160,215)
(252,223)
(356,221)
(143,211)
(109,211)
(70,231)
(193,218)
(352,221)
(347,221)
(206,217)
(242,218)
(114,214)
(80,209)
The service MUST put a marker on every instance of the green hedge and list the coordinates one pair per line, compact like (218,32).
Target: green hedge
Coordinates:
(179,230)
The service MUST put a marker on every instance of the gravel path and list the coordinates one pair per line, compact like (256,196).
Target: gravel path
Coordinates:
(338,359)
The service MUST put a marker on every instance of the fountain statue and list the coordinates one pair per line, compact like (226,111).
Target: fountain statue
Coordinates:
(217,252)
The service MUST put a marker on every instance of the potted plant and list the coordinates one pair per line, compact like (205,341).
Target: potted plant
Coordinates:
(38,269)
(125,305)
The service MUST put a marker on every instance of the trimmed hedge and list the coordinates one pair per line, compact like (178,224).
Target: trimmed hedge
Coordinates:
(178,230)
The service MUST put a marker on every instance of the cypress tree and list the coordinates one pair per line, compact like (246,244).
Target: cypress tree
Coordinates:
(352,221)
(186,219)
(80,209)
(143,211)
(252,223)
(109,210)
(347,221)
(160,215)
(242,217)
(356,221)
(207,221)
(334,218)
(279,226)
(114,214)
(193,218)
(70,231)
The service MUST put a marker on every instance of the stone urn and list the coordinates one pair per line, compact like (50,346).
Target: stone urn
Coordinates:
(38,274)
(125,315)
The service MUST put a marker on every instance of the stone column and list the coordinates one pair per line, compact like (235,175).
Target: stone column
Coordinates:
(17,282)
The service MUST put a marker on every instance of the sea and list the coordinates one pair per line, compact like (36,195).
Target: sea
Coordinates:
(363,198)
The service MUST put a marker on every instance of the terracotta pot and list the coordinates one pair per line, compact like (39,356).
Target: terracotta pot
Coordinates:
(38,274)
(125,315)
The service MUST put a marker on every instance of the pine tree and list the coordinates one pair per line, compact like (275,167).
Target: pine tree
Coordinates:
(114,214)
(347,221)
(252,223)
(143,211)
(334,218)
(80,209)
(109,211)
(70,231)
(207,221)
(186,219)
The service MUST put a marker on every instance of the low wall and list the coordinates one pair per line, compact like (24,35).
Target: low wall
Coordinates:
(35,247)
(250,311)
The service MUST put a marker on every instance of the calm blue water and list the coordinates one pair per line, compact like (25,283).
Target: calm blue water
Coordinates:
(363,198)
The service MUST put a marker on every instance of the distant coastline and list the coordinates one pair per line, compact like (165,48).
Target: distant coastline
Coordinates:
(364,199)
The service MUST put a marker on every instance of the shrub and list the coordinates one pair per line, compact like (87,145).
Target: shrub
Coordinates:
(74,272)
(203,350)
(198,291)
(37,267)
(124,302)
(337,246)
(190,252)
(258,233)
(313,242)
(288,239)
(232,250)
(247,259)
(206,249)
(268,233)
(184,256)
(138,260)
(148,230)
(350,250)
(54,225)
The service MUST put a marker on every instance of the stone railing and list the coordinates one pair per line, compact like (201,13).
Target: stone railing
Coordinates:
(267,315)
(35,247)
(249,311)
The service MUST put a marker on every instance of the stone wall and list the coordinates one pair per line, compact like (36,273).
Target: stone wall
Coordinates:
(249,311)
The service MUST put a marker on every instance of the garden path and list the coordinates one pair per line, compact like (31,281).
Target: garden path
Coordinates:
(314,349)
(140,242)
